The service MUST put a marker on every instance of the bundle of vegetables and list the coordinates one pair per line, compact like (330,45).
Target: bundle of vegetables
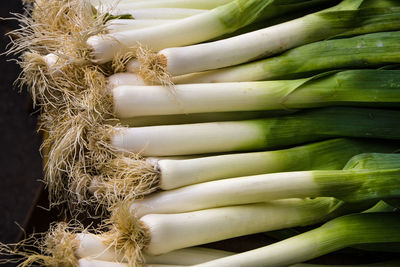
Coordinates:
(143,96)
(165,232)
(71,89)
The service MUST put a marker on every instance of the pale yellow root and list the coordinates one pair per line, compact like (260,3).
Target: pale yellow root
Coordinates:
(128,234)
(153,67)
(54,249)
(80,153)
(125,178)
(120,61)
(60,27)
(76,106)
(72,130)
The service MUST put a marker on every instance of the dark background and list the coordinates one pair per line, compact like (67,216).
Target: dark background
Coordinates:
(20,161)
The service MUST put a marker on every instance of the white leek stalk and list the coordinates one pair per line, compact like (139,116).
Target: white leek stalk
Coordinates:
(357,87)
(326,155)
(174,172)
(347,185)
(305,126)
(334,235)
(168,232)
(366,51)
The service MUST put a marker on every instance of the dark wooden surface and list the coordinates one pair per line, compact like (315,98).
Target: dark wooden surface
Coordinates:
(20,161)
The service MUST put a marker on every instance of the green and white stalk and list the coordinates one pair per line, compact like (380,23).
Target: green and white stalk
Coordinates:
(194,29)
(118,25)
(343,18)
(334,235)
(364,51)
(174,172)
(379,206)
(326,155)
(166,233)
(346,185)
(353,87)
(305,126)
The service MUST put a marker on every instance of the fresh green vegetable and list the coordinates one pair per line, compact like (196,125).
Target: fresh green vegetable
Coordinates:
(346,185)
(351,88)
(334,235)
(176,172)
(163,232)
(305,126)
(364,51)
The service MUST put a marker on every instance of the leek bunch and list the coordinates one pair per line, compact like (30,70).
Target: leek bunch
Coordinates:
(185,122)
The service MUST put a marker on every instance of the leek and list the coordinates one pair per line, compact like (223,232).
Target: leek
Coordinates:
(334,235)
(354,87)
(259,134)
(175,173)
(164,233)
(346,185)
(351,185)
(168,232)
(364,51)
